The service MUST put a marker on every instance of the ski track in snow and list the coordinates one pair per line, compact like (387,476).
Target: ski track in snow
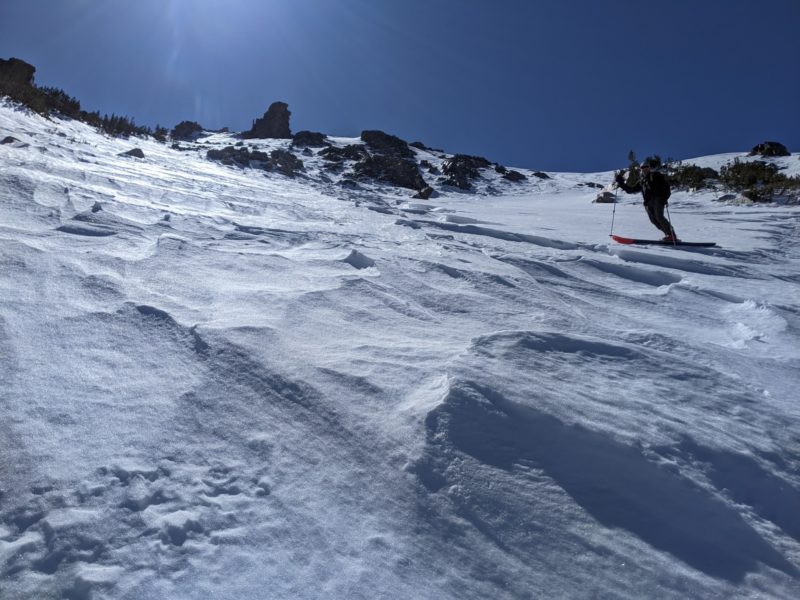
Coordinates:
(221,383)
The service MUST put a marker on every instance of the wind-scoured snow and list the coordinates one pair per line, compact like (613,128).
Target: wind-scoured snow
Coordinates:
(219,382)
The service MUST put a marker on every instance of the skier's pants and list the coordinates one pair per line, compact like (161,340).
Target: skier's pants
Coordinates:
(655,210)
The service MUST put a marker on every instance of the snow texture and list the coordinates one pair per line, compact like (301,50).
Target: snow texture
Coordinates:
(220,382)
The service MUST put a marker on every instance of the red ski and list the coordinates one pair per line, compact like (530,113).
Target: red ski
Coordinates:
(624,240)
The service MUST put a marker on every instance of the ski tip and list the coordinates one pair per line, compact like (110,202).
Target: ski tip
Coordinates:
(622,240)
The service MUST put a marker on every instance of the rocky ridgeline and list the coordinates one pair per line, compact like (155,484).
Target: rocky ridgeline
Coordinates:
(380,157)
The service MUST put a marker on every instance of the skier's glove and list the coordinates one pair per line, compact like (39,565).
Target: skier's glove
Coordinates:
(619,179)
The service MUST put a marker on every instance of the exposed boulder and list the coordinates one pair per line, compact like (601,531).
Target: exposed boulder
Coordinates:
(16,82)
(514,176)
(273,125)
(769,149)
(426,164)
(461,169)
(233,156)
(285,162)
(349,152)
(385,143)
(186,130)
(8,140)
(136,152)
(349,184)
(255,159)
(382,157)
(282,161)
(358,260)
(389,160)
(606,197)
(16,72)
(424,193)
(541,175)
(390,169)
(313,139)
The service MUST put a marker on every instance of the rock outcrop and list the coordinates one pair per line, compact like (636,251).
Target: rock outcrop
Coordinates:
(390,169)
(382,157)
(336,157)
(186,130)
(770,149)
(461,169)
(514,176)
(386,144)
(313,139)
(273,125)
(16,72)
(279,160)
(389,159)
(135,152)
(285,162)
(424,193)
(606,197)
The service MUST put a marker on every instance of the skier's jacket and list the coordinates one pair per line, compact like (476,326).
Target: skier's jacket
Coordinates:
(654,187)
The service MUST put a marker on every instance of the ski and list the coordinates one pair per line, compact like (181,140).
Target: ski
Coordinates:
(624,240)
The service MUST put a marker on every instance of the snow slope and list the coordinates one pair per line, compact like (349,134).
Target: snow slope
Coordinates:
(222,383)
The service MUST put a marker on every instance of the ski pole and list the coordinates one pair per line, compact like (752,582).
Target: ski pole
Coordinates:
(614,213)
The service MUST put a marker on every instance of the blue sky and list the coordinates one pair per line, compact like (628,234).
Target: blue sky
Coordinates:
(569,85)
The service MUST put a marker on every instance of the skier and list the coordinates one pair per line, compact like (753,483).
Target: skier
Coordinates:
(655,191)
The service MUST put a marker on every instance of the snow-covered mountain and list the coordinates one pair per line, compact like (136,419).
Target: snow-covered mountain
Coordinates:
(219,382)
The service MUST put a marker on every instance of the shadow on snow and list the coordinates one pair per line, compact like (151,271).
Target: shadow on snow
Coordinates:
(612,482)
